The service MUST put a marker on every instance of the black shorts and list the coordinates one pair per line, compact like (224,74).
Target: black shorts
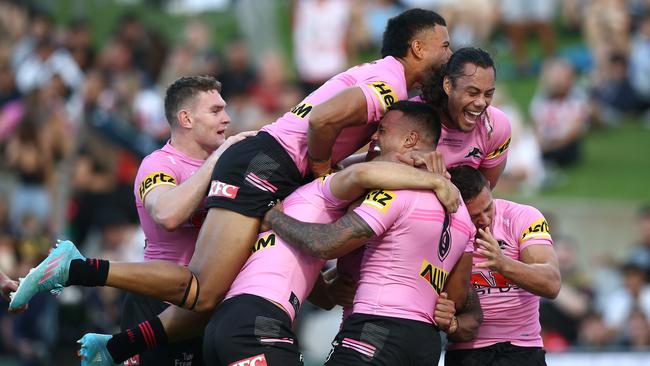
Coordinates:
(252,175)
(137,309)
(248,329)
(381,340)
(499,354)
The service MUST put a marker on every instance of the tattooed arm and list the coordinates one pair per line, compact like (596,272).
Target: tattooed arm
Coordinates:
(469,319)
(326,241)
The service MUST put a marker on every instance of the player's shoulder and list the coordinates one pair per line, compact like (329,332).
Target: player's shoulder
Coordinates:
(387,69)
(526,220)
(498,120)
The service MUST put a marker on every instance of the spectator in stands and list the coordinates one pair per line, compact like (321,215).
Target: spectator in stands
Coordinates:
(641,252)
(560,114)
(613,94)
(320,34)
(621,302)
(521,16)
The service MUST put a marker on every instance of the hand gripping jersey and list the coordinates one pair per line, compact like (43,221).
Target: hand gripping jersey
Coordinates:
(382,83)
(275,270)
(510,313)
(170,167)
(485,146)
(406,266)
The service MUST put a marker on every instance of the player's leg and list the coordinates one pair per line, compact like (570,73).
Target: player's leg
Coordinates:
(248,329)
(66,266)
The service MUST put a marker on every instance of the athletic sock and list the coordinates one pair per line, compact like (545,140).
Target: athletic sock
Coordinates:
(90,272)
(146,335)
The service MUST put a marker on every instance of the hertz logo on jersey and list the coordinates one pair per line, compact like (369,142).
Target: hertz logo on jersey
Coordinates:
(302,109)
(379,199)
(265,241)
(538,229)
(437,277)
(499,150)
(385,94)
(153,180)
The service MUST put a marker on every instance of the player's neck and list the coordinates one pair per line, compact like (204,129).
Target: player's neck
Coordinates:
(411,71)
(189,147)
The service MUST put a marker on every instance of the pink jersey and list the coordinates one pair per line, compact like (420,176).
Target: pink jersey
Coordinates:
(485,146)
(511,314)
(170,167)
(382,82)
(406,266)
(277,271)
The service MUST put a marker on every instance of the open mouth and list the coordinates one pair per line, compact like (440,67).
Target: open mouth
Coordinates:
(472,117)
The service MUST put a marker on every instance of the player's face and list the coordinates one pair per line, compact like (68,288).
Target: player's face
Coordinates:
(481,209)
(390,133)
(470,97)
(436,47)
(210,120)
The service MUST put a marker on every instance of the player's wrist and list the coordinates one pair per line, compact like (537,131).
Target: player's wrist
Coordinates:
(453,325)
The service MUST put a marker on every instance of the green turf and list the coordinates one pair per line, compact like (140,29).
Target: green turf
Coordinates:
(616,166)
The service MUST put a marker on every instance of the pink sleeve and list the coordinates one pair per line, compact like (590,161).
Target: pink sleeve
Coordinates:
(532,228)
(379,96)
(155,170)
(380,209)
(500,139)
(327,191)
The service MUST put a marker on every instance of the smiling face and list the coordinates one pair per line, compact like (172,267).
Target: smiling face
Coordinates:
(209,119)
(391,132)
(469,96)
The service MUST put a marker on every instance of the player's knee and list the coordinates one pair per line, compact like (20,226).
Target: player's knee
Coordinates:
(191,294)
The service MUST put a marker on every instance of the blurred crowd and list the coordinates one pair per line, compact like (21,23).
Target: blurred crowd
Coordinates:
(76,118)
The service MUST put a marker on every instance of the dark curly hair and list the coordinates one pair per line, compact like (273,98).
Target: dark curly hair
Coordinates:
(401,29)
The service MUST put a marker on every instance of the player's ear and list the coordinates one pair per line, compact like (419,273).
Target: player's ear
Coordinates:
(411,139)
(446,85)
(183,118)
(417,48)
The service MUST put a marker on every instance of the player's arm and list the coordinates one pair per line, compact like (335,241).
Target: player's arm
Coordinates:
(537,271)
(492,174)
(464,327)
(326,120)
(458,280)
(352,182)
(170,206)
(326,241)
(333,289)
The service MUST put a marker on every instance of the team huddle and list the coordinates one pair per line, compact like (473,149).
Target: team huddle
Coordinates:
(238,230)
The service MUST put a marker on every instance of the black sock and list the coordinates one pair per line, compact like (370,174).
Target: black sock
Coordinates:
(146,335)
(89,272)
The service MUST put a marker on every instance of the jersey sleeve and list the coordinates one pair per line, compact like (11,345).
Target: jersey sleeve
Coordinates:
(381,208)
(497,149)
(379,96)
(332,201)
(155,171)
(532,228)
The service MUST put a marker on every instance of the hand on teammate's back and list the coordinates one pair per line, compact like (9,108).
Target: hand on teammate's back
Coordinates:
(448,195)
(266,224)
(233,140)
(342,290)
